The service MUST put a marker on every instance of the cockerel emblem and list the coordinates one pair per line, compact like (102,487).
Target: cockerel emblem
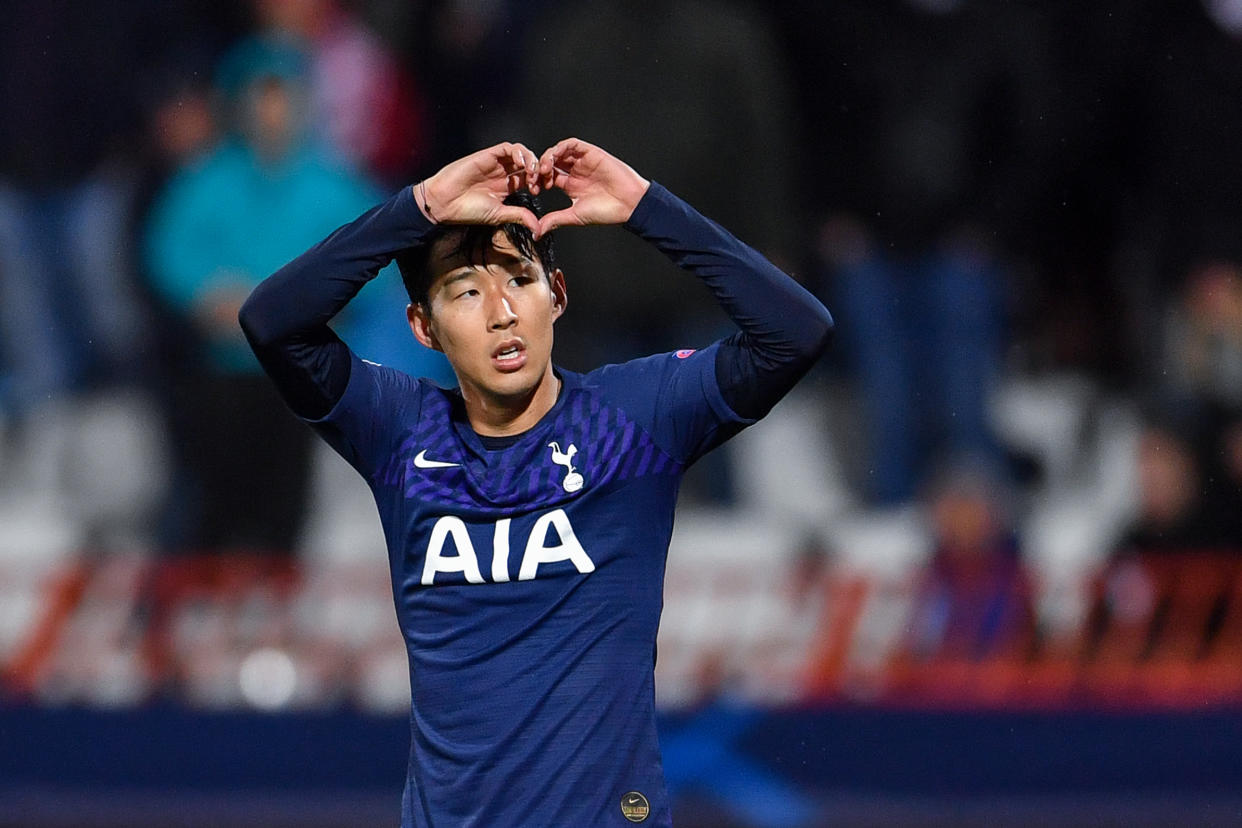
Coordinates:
(573,480)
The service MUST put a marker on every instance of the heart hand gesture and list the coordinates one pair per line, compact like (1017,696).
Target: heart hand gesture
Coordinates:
(602,188)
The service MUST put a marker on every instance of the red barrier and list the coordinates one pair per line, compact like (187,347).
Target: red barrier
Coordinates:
(1162,631)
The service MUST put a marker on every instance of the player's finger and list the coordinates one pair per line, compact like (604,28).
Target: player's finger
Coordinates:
(555,219)
(569,151)
(555,155)
(517,166)
(501,158)
(527,158)
(512,214)
(502,155)
(548,176)
(511,157)
(547,167)
(566,145)
(529,165)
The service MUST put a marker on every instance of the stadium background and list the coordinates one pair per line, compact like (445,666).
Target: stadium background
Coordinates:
(980,568)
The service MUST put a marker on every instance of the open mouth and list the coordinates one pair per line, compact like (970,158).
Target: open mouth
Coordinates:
(510,355)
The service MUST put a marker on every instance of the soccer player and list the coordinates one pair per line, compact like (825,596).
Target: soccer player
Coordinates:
(528,511)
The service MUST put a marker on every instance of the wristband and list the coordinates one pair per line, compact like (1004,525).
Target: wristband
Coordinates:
(426,204)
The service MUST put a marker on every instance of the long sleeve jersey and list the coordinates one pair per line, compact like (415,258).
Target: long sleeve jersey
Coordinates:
(528,573)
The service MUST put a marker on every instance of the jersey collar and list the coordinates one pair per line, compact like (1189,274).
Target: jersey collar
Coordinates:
(470,438)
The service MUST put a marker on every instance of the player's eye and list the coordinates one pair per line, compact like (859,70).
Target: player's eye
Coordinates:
(466,293)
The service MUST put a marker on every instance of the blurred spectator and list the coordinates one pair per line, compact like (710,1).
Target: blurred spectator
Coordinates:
(68,315)
(925,340)
(1203,336)
(368,107)
(183,125)
(1147,157)
(974,601)
(1195,461)
(182,128)
(223,223)
(1170,504)
(84,459)
(364,109)
(942,94)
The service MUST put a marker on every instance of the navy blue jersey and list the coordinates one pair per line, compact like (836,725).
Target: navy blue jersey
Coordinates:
(528,577)
(528,582)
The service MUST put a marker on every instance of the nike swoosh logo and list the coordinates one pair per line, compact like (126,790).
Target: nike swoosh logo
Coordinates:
(421,461)
(634,800)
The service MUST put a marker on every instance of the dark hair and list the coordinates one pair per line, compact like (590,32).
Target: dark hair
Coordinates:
(474,242)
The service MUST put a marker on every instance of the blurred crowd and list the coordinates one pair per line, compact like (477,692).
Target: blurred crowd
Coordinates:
(1025,217)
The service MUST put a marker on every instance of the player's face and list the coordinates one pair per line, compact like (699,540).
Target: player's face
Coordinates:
(493,321)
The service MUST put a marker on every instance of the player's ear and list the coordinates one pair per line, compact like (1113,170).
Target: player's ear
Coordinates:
(420,324)
(560,297)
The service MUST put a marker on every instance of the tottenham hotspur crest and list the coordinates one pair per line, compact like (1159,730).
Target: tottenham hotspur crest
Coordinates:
(573,480)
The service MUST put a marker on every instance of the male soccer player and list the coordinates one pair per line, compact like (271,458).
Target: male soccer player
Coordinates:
(527,511)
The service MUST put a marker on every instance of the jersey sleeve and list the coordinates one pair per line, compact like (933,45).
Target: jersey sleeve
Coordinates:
(365,423)
(783,329)
(286,317)
(676,398)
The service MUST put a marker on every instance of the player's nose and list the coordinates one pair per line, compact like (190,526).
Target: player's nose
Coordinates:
(500,313)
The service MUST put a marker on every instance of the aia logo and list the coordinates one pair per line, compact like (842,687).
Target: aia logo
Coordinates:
(684,352)
(450,534)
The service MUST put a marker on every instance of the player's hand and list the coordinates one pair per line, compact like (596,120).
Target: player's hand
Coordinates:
(472,190)
(603,189)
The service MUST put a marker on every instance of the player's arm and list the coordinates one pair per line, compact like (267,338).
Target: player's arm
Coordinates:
(286,318)
(784,329)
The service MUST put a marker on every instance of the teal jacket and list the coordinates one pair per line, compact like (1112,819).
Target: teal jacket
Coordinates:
(227,221)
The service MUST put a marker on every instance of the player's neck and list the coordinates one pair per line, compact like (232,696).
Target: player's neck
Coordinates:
(495,416)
